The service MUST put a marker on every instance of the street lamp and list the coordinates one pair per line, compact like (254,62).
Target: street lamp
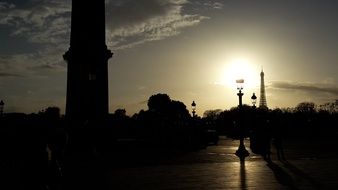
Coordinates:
(240,83)
(193,107)
(254,100)
(241,151)
(2,104)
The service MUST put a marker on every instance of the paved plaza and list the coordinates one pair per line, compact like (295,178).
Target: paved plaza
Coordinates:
(216,167)
(311,163)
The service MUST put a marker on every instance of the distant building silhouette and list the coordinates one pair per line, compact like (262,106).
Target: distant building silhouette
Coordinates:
(87,58)
(262,100)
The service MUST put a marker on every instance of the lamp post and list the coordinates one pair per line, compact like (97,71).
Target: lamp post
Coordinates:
(2,104)
(193,107)
(240,83)
(254,100)
(241,151)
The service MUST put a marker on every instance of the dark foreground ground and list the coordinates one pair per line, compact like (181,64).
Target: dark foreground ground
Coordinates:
(311,164)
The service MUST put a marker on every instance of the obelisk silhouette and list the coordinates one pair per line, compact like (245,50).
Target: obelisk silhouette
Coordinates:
(87,59)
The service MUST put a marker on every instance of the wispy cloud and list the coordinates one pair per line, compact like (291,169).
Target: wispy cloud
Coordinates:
(42,22)
(47,23)
(129,22)
(6,74)
(6,5)
(307,87)
(150,20)
(213,4)
(27,64)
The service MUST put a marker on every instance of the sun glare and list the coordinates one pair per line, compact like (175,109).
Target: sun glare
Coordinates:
(240,69)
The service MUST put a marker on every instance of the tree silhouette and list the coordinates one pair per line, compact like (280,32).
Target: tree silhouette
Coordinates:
(162,105)
(159,103)
(212,114)
(306,107)
(120,113)
(51,113)
(331,107)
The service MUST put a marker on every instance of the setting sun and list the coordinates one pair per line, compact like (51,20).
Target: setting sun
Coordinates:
(240,69)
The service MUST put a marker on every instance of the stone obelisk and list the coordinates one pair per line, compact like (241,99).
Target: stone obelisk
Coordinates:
(87,59)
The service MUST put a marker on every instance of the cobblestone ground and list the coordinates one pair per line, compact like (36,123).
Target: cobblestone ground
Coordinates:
(309,165)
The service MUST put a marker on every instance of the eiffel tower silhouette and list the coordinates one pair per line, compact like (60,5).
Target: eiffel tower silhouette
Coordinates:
(262,100)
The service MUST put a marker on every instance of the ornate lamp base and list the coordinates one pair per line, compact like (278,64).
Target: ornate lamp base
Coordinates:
(241,151)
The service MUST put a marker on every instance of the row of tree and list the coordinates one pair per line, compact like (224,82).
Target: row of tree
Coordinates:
(303,120)
(166,117)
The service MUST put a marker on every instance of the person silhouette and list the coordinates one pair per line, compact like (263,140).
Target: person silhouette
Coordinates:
(277,140)
(266,141)
(278,143)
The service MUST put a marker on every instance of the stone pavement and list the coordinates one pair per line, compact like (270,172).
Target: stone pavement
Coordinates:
(218,168)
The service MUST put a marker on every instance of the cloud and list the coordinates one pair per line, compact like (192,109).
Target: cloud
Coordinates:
(35,63)
(204,5)
(218,5)
(306,87)
(214,5)
(5,5)
(131,22)
(42,22)
(47,23)
(6,74)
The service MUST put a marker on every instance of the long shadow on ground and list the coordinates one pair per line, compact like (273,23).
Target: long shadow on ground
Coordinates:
(282,176)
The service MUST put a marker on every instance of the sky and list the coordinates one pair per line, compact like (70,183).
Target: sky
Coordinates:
(190,50)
